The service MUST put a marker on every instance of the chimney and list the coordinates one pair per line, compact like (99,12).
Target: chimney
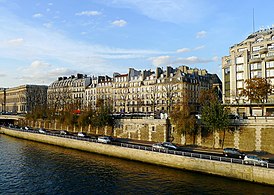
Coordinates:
(168,71)
(158,72)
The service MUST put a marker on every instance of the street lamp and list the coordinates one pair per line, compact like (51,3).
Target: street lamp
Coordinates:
(237,101)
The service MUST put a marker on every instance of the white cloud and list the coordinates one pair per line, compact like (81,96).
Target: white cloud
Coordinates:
(57,72)
(88,13)
(201,34)
(38,15)
(39,64)
(192,60)
(183,50)
(199,47)
(215,58)
(48,25)
(15,42)
(161,60)
(40,72)
(169,60)
(119,23)
(174,11)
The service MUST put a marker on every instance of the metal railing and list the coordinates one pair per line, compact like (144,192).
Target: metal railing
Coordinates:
(150,148)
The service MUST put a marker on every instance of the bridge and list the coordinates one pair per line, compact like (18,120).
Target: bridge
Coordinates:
(8,118)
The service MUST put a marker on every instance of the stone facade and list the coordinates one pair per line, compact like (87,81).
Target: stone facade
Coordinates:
(23,99)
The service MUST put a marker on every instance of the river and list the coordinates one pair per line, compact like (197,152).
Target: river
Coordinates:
(28,167)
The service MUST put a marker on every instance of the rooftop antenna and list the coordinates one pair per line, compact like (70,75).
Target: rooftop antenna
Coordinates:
(253,21)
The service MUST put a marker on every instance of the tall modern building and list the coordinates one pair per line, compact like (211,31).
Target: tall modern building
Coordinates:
(253,57)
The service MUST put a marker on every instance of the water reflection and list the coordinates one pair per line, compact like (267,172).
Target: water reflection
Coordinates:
(34,168)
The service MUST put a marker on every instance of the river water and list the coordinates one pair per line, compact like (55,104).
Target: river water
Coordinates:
(28,167)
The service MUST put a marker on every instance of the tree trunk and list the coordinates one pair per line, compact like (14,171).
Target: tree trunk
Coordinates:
(223,139)
(213,138)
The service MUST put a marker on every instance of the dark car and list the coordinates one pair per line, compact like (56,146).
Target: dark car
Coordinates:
(170,145)
(233,153)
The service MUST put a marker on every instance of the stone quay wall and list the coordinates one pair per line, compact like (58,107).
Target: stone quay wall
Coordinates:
(254,134)
(236,171)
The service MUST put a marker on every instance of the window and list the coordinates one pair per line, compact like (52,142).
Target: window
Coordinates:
(270,73)
(241,49)
(260,39)
(240,60)
(240,84)
(240,68)
(270,64)
(255,56)
(227,70)
(257,48)
(255,66)
(257,74)
(240,76)
(271,47)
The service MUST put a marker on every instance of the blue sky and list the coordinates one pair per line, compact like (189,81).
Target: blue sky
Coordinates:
(41,40)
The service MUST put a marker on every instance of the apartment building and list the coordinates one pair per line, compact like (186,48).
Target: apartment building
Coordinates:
(23,99)
(139,92)
(100,88)
(68,92)
(151,92)
(253,57)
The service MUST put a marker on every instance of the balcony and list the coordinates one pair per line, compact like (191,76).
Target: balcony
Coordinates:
(269,58)
(263,50)
(255,60)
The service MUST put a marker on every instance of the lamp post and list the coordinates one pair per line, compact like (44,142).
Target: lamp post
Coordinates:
(237,101)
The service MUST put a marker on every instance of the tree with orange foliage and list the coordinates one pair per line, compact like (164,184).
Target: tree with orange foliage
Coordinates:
(257,90)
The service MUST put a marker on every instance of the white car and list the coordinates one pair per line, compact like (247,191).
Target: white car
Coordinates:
(158,146)
(81,134)
(252,159)
(104,139)
(41,130)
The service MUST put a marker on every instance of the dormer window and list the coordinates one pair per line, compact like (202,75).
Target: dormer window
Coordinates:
(260,39)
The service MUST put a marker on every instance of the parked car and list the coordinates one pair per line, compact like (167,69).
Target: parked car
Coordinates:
(27,128)
(82,134)
(255,160)
(170,145)
(64,132)
(104,139)
(158,146)
(41,130)
(233,152)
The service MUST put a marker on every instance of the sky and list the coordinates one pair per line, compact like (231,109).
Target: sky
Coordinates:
(41,40)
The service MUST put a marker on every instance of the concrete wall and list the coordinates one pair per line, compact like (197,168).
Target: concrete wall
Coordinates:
(238,171)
